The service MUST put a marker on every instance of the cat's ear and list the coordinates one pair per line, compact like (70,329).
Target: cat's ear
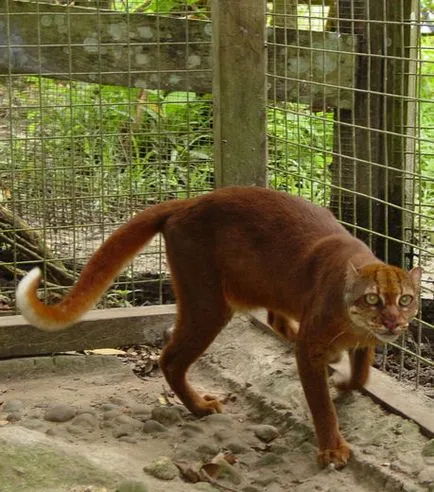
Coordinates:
(352,274)
(416,276)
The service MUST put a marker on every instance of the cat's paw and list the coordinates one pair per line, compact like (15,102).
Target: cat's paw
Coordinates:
(346,386)
(337,457)
(208,405)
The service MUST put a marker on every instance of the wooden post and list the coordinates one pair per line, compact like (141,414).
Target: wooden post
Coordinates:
(370,140)
(396,113)
(239,86)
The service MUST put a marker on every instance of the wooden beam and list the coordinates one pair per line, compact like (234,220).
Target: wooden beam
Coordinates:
(239,92)
(105,328)
(168,53)
(383,389)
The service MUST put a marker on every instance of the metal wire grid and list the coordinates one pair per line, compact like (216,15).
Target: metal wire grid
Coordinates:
(77,159)
(313,148)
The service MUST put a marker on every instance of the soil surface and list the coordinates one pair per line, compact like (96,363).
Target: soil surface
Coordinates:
(87,423)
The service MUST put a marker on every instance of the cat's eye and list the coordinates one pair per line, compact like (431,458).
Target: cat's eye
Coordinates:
(372,299)
(405,300)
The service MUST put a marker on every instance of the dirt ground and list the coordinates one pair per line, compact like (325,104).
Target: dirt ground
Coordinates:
(87,423)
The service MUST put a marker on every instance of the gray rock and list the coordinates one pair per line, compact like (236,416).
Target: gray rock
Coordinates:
(185,453)
(266,433)
(123,430)
(89,410)
(166,415)
(224,435)
(152,426)
(218,418)
(269,459)
(52,432)
(130,439)
(279,449)
(237,447)
(228,472)
(205,487)
(126,419)
(14,417)
(426,477)
(113,413)
(32,424)
(208,450)
(141,412)
(12,406)
(83,424)
(162,468)
(264,478)
(428,449)
(60,413)
(130,486)
(191,430)
(108,407)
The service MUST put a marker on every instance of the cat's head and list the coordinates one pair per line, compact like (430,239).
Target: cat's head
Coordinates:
(382,299)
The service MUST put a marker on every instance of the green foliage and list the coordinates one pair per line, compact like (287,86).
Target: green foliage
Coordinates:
(93,145)
(426,142)
(299,148)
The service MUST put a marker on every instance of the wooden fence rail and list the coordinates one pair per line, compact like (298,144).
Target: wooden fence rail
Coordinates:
(156,52)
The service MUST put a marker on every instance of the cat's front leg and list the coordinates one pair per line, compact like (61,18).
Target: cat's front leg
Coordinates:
(312,367)
(361,360)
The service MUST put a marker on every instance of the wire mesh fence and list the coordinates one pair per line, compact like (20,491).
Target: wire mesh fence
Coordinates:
(363,150)
(112,127)
(107,107)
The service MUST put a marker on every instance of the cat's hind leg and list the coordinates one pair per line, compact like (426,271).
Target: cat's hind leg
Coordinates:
(202,312)
(284,326)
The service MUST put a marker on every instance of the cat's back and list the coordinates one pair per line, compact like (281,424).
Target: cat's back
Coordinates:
(265,209)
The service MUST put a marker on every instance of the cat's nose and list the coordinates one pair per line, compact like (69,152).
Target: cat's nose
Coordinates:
(390,324)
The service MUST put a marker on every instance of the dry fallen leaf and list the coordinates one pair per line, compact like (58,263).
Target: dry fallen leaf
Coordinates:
(105,351)
(211,469)
(189,471)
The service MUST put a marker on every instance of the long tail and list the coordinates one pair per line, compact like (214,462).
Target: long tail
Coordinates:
(106,263)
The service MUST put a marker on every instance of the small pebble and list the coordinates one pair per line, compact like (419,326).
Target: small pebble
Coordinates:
(126,419)
(113,413)
(107,407)
(152,426)
(191,430)
(83,424)
(264,478)
(428,449)
(14,417)
(130,486)
(224,435)
(237,447)
(130,439)
(218,418)
(12,406)
(32,424)
(122,430)
(52,432)
(208,450)
(60,413)
(266,433)
(269,459)
(426,477)
(162,468)
(166,415)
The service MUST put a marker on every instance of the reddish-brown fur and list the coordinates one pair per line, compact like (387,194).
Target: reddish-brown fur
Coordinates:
(246,248)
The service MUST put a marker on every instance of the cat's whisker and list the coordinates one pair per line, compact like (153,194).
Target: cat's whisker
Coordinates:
(336,337)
